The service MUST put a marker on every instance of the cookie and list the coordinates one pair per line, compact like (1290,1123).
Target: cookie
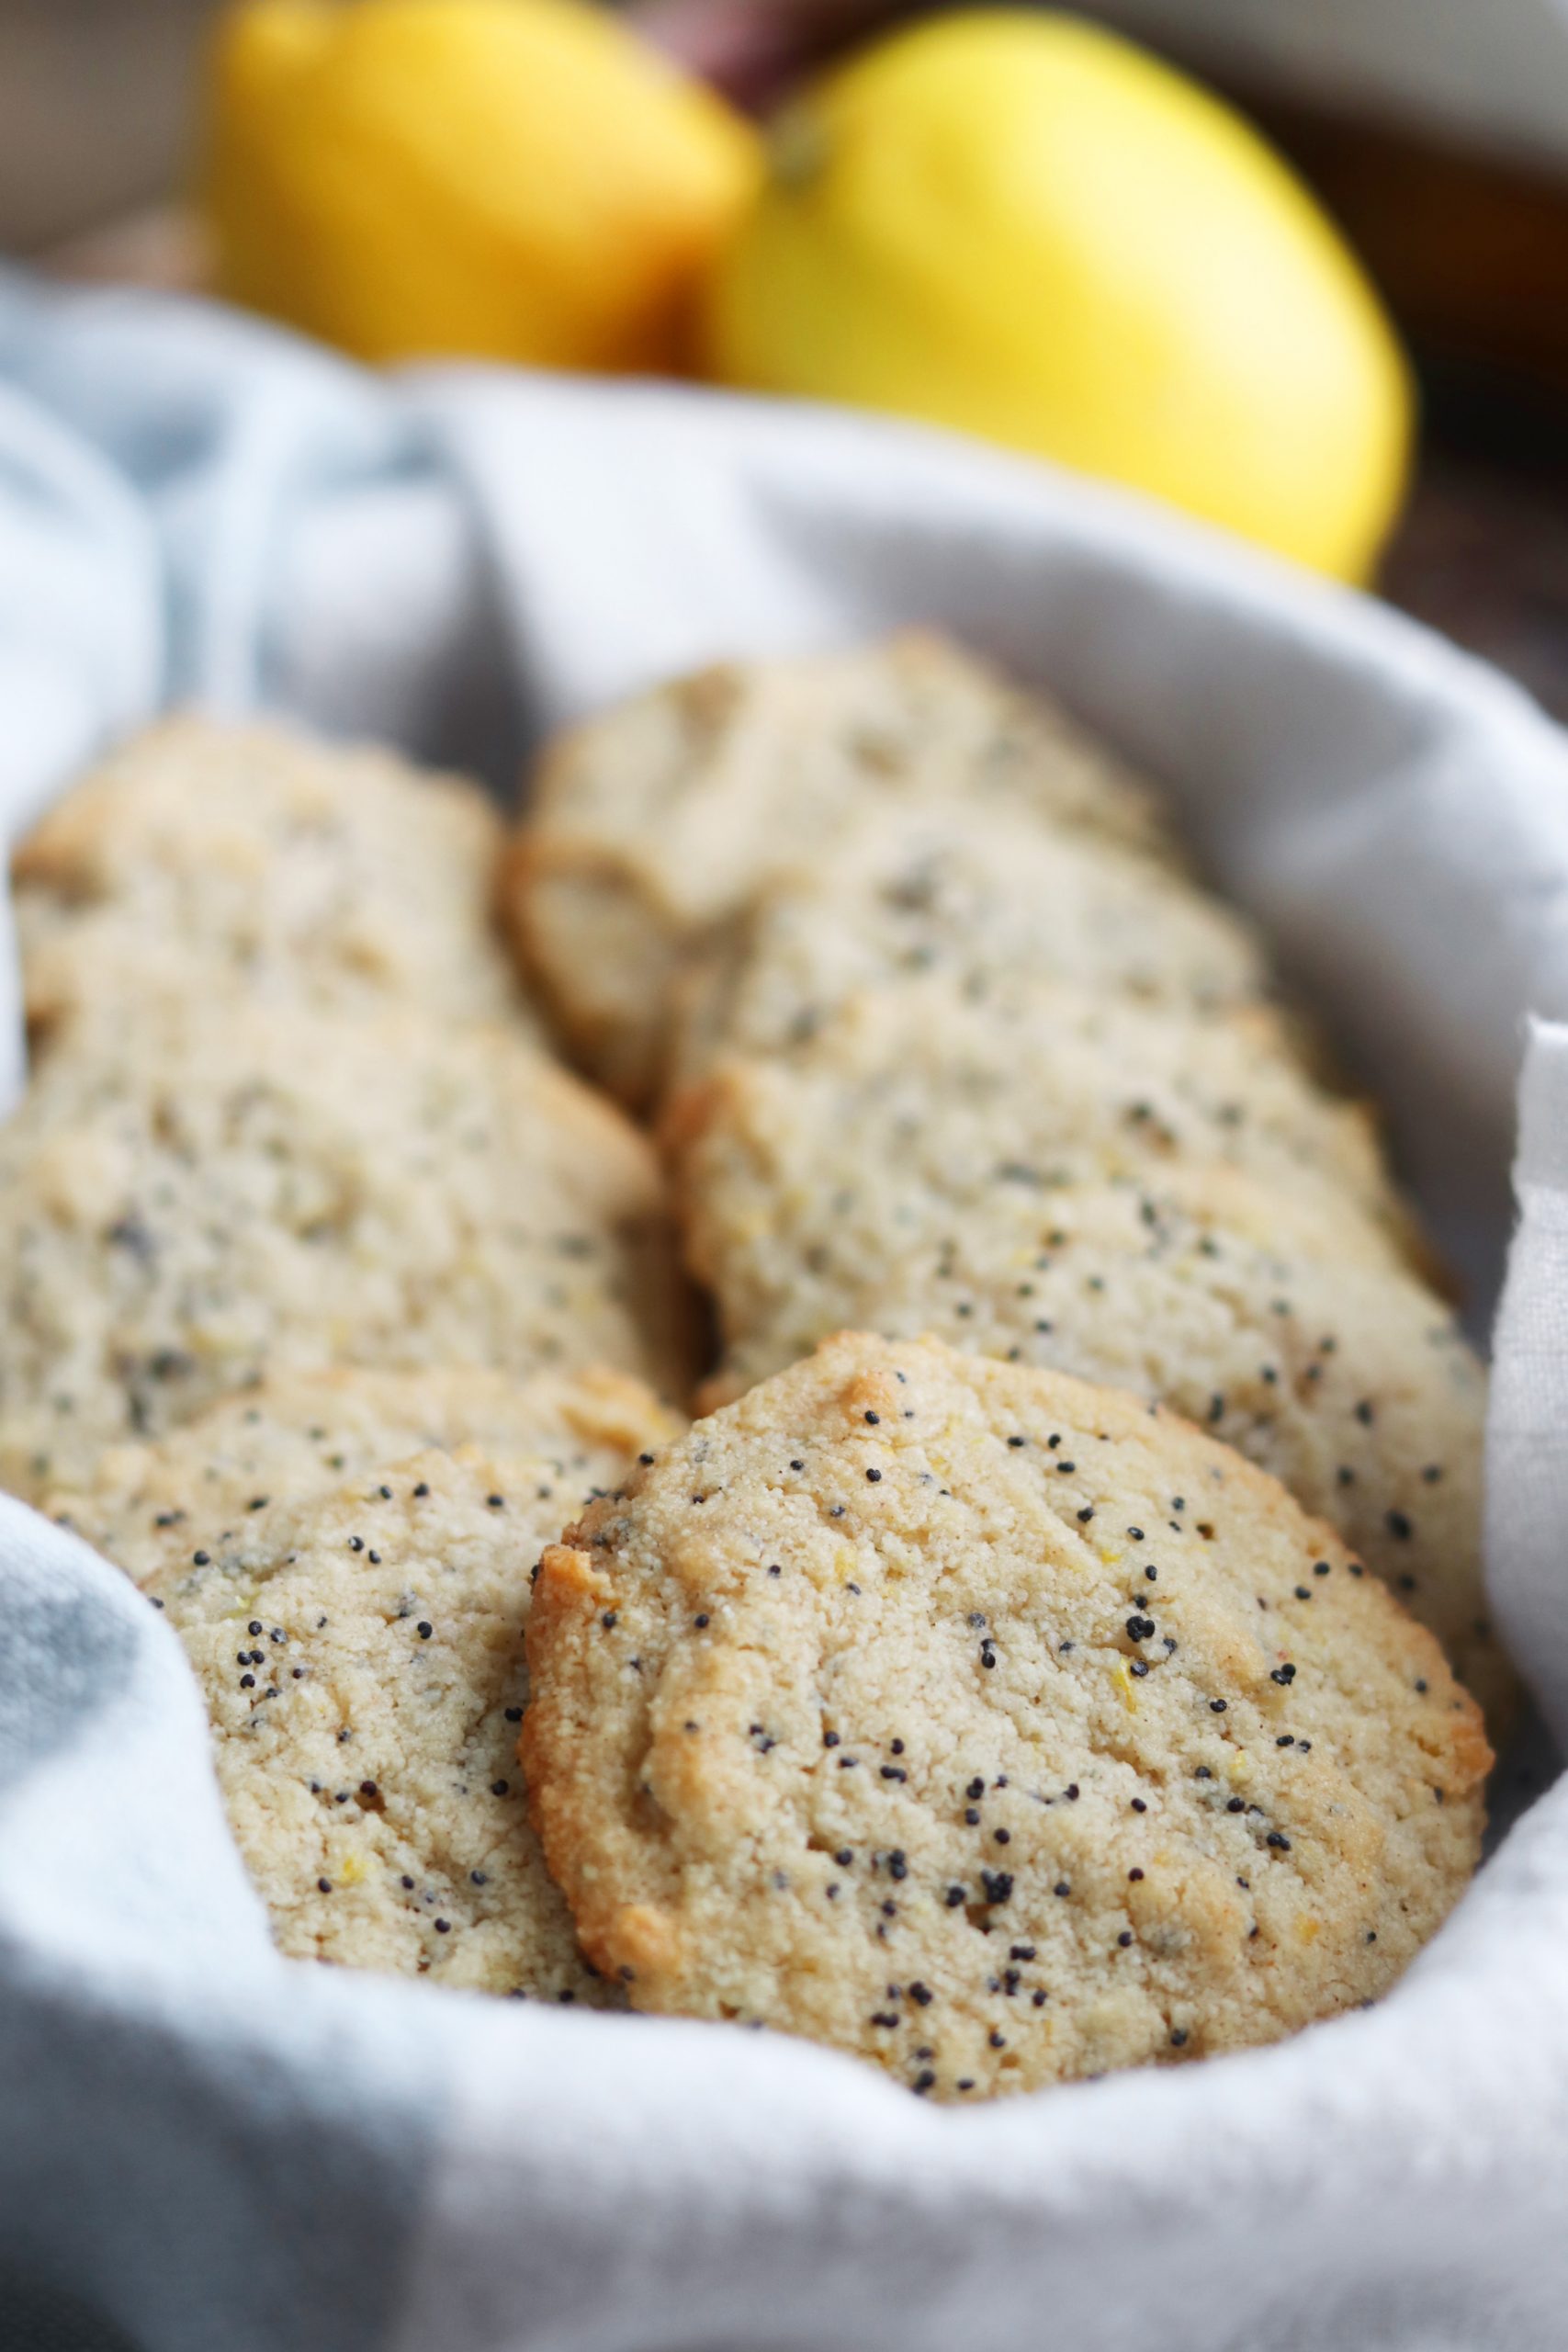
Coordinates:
(906,1204)
(249,1192)
(654,825)
(1043,1081)
(256,859)
(146,1504)
(359,1645)
(981,907)
(897,1706)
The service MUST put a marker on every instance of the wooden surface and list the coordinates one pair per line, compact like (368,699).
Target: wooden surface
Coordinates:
(1469,250)
(1482,552)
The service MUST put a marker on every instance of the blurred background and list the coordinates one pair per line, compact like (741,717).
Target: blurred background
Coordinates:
(1435,133)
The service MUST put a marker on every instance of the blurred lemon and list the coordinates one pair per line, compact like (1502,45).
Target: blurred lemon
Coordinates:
(511,179)
(1023,226)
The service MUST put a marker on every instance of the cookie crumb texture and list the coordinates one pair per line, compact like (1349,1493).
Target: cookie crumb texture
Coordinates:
(995,1728)
(360,1647)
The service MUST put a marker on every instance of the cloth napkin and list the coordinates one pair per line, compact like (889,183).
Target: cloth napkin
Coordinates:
(206,2148)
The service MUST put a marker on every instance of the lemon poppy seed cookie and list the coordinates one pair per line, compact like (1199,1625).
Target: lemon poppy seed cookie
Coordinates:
(1048,1079)
(360,1650)
(654,825)
(1279,1324)
(943,1744)
(146,1504)
(250,1192)
(912,896)
(260,859)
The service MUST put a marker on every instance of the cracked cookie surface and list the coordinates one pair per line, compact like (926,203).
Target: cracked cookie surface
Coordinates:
(993,1727)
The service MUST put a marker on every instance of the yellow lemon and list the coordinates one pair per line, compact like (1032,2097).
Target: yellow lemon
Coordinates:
(510,179)
(1025,227)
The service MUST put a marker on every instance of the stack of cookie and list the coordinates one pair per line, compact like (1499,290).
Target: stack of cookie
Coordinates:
(921,1697)
(327,1292)
(949,1040)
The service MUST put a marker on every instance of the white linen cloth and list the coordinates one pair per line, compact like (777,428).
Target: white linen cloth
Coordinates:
(205,2148)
